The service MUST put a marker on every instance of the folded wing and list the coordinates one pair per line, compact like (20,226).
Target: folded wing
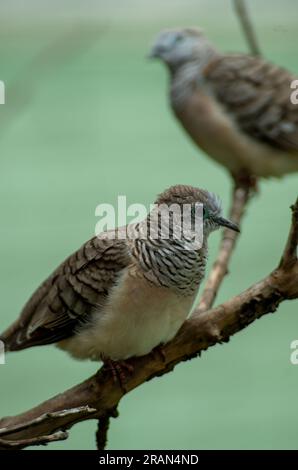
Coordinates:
(66,300)
(257,94)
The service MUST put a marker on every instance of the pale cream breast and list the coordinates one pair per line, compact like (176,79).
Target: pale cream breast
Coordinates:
(214,131)
(137,318)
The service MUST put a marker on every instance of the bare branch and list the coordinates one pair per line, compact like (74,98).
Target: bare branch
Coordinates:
(34,441)
(220,267)
(247,26)
(55,419)
(103,428)
(290,253)
(97,396)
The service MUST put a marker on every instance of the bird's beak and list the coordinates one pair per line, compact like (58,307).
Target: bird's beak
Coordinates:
(151,55)
(155,52)
(227,223)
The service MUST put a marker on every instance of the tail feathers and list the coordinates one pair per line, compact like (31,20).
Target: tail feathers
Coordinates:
(16,337)
(11,339)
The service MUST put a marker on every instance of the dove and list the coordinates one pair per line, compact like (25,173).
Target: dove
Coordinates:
(237,108)
(119,297)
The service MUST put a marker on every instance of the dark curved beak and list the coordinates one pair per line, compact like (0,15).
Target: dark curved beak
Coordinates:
(226,223)
(153,54)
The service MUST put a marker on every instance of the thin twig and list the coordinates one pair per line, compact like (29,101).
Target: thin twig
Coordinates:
(56,415)
(103,425)
(247,26)
(290,254)
(10,436)
(34,441)
(220,267)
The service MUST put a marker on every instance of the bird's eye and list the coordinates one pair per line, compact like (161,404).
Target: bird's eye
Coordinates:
(178,38)
(205,213)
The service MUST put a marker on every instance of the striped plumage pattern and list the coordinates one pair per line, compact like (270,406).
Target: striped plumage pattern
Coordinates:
(258,96)
(68,297)
(170,264)
(83,290)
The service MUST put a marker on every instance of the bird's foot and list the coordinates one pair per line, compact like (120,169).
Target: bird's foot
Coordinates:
(119,370)
(245,179)
(159,352)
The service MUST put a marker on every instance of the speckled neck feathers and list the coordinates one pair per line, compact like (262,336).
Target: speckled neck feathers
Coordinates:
(171,263)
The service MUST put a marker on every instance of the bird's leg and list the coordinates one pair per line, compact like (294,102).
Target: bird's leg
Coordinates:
(245,179)
(118,369)
(159,352)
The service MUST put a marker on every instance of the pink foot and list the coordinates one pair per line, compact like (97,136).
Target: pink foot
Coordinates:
(119,370)
(245,179)
(159,352)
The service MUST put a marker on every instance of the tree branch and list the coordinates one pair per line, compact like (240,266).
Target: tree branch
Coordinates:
(34,441)
(220,267)
(103,428)
(289,257)
(51,418)
(247,26)
(98,396)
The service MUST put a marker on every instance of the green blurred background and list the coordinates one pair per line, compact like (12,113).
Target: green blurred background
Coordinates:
(87,119)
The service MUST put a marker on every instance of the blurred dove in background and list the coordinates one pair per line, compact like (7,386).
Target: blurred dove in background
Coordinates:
(235,107)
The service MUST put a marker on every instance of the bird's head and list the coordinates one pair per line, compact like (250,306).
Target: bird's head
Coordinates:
(179,46)
(209,205)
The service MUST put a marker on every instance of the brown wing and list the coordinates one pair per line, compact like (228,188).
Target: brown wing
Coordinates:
(258,96)
(69,296)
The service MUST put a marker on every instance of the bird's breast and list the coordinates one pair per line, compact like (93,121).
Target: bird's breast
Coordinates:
(137,317)
(213,129)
